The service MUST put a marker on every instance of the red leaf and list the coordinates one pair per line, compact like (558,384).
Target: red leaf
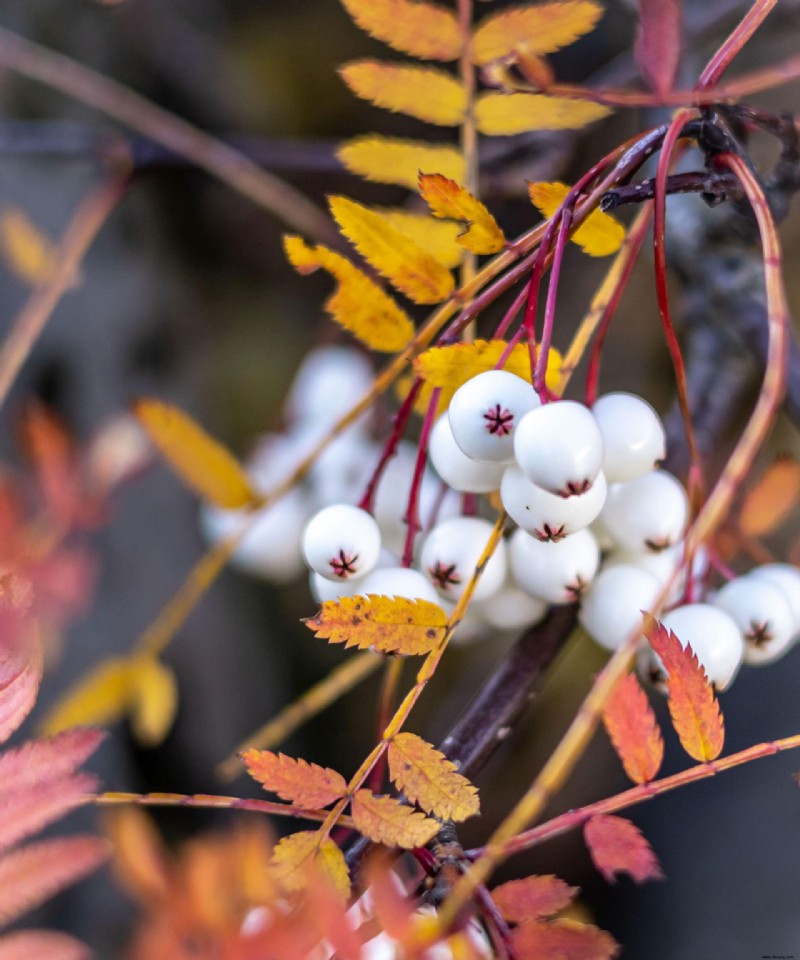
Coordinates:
(20,669)
(617,846)
(23,812)
(532,897)
(42,945)
(563,940)
(50,758)
(633,730)
(658,42)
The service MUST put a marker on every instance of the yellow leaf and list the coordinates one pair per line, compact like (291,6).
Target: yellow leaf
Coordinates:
(599,235)
(393,160)
(542,28)
(504,114)
(428,778)
(358,304)
(425,30)
(451,366)
(154,700)
(26,250)
(404,264)
(386,820)
(98,699)
(450,201)
(302,855)
(438,237)
(201,462)
(387,624)
(422,92)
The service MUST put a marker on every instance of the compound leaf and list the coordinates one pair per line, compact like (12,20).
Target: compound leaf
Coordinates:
(404,264)
(296,781)
(532,897)
(633,730)
(399,161)
(450,201)
(599,235)
(202,463)
(388,821)
(358,304)
(451,366)
(303,855)
(617,846)
(541,28)
(565,939)
(425,30)
(386,624)
(422,92)
(506,114)
(428,778)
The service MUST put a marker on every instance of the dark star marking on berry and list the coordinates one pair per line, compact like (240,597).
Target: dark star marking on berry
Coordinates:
(344,565)
(445,576)
(499,421)
(759,634)
(548,533)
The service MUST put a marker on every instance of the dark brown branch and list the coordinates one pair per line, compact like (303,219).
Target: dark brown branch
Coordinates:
(714,188)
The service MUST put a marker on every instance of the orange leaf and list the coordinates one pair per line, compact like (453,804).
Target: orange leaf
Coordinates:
(438,237)
(450,201)
(393,160)
(425,30)
(202,463)
(562,939)
(617,846)
(505,114)
(422,92)
(692,703)
(387,820)
(532,897)
(543,28)
(428,778)
(42,945)
(358,304)
(451,366)
(633,730)
(772,497)
(140,859)
(404,264)
(599,235)
(386,624)
(302,854)
(297,781)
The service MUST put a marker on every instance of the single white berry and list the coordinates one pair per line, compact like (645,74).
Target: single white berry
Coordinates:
(634,440)
(451,552)
(341,542)
(328,382)
(511,608)
(556,572)
(712,635)
(762,614)
(397,582)
(559,447)
(455,467)
(611,609)
(545,515)
(786,577)
(648,513)
(485,411)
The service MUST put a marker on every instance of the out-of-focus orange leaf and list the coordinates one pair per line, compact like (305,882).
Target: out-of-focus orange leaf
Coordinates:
(542,28)
(633,730)
(451,366)
(390,906)
(98,699)
(386,624)
(692,702)
(296,781)
(388,821)
(27,251)
(565,939)
(404,264)
(358,304)
(506,114)
(428,778)
(395,160)
(140,859)
(658,43)
(425,30)
(201,462)
(42,945)
(599,235)
(438,237)
(532,897)
(302,853)
(450,201)
(773,496)
(422,92)
(617,846)
(154,700)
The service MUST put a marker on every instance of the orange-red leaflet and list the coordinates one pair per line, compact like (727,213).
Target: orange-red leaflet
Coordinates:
(428,778)
(565,939)
(532,897)
(448,200)
(633,730)
(296,781)
(617,846)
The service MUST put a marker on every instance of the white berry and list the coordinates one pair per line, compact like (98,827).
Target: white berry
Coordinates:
(786,577)
(451,552)
(545,515)
(455,467)
(485,411)
(328,382)
(648,513)
(612,607)
(511,608)
(555,572)
(341,542)
(634,441)
(559,447)
(398,582)
(763,615)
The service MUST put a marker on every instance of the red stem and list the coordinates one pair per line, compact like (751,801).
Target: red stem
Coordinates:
(540,372)
(734,43)
(412,513)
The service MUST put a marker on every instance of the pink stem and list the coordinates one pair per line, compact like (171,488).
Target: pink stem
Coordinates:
(540,372)
(733,44)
